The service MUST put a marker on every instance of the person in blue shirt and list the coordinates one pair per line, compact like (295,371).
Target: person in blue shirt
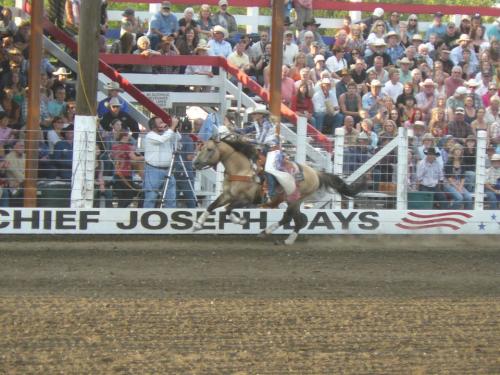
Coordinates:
(162,24)
(493,31)
(114,90)
(63,154)
(183,167)
(437,27)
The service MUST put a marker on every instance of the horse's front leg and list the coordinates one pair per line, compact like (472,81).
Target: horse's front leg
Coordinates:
(219,202)
(237,204)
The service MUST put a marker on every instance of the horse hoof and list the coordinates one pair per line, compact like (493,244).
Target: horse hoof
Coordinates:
(291,238)
(262,234)
(197,227)
(243,221)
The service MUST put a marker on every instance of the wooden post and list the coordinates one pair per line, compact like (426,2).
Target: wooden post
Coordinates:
(276,64)
(33,121)
(84,142)
(88,54)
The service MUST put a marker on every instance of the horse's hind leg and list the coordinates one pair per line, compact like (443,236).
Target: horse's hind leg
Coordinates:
(285,219)
(300,221)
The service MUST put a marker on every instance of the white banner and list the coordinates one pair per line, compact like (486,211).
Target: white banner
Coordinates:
(179,221)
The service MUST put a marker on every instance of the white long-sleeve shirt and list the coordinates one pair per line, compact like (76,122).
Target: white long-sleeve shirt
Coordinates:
(319,100)
(158,148)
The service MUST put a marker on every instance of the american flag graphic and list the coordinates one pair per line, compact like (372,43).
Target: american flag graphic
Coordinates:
(452,219)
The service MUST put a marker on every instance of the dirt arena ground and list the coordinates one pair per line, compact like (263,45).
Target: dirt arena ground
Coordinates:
(242,305)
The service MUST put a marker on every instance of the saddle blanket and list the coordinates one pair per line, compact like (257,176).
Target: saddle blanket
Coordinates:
(288,177)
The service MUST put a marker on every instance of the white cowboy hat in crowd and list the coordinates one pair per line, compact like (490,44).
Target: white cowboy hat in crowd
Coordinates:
(61,71)
(220,29)
(113,86)
(259,109)
(427,82)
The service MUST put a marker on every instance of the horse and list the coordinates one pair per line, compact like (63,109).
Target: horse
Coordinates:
(242,186)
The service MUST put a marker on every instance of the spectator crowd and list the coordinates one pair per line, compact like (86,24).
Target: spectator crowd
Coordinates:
(371,78)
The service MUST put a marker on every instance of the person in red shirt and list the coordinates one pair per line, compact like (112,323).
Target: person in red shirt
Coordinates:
(302,103)
(123,154)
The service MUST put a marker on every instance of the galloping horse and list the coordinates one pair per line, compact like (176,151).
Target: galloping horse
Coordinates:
(242,187)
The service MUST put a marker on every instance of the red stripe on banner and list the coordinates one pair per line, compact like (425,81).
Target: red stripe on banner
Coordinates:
(422,216)
(454,227)
(443,220)
(347,6)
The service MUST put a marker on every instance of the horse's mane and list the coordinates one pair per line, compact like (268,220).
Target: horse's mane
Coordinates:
(242,146)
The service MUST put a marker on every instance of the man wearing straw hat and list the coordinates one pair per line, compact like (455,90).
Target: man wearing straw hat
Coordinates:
(427,98)
(113,89)
(218,45)
(61,80)
(200,50)
(394,48)
(456,55)
(430,176)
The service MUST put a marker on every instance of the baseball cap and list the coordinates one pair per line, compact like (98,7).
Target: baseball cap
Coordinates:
(128,12)
(378,12)
(166,4)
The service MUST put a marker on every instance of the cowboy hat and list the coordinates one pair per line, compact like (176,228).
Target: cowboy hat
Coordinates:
(202,45)
(379,42)
(460,91)
(312,21)
(417,37)
(325,81)
(464,38)
(404,60)
(61,71)
(258,110)
(220,29)
(495,157)
(427,82)
(431,151)
(390,34)
(113,86)
(419,123)
(472,83)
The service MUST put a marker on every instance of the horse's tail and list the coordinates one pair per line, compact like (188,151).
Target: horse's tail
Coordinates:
(331,181)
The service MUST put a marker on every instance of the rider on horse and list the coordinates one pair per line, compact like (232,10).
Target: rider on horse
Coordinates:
(266,139)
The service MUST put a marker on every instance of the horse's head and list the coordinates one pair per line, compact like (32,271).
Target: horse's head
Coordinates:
(208,155)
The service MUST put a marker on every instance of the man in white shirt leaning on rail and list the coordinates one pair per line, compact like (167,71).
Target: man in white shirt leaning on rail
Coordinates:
(159,147)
